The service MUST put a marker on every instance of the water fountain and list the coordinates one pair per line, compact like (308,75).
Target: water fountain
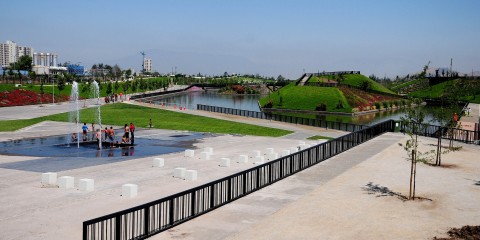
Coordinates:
(74,115)
(95,93)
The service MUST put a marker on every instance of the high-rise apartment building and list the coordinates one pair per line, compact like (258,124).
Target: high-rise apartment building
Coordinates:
(10,52)
(147,65)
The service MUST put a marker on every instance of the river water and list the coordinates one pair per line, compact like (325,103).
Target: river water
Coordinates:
(250,102)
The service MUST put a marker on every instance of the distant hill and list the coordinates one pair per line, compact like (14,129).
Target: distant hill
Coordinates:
(324,93)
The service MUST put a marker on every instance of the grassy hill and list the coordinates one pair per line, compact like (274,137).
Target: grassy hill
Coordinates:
(307,98)
(357,80)
(468,90)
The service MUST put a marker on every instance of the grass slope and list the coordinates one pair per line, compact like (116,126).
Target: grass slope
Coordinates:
(357,79)
(307,98)
(120,114)
(438,90)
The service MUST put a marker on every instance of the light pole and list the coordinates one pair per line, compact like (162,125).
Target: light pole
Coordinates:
(53,88)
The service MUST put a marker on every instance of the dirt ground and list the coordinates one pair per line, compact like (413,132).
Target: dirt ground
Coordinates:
(369,201)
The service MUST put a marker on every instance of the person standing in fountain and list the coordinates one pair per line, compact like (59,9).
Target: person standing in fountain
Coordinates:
(94,132)
(125,135)
(132,131)
(107,133)
(85,130)
(112,137)
(98,134)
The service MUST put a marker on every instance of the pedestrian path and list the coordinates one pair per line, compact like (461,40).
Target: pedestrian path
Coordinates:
(242,214)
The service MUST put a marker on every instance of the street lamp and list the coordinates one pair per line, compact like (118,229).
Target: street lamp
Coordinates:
(53,88)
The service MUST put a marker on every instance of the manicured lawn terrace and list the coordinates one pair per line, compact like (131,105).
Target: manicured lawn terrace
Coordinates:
(307,98)
(119,114)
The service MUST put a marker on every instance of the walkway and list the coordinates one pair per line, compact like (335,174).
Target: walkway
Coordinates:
(471,120)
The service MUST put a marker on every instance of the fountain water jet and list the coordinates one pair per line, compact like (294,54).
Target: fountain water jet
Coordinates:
(74,115)
(95,93)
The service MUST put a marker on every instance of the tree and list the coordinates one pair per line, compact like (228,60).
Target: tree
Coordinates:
(365,85)
(125,86)
(280,78)
(116,86)
(61,82)
(24,63)
(109,88)
(413,122)
(116,72)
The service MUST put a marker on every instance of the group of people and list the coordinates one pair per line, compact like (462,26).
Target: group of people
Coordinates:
(113,98)
(109,134)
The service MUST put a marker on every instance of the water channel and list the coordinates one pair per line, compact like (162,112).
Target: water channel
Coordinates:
(250,102)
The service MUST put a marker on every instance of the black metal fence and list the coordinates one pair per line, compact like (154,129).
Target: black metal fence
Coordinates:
(455,134)
(154,217)
(349,127)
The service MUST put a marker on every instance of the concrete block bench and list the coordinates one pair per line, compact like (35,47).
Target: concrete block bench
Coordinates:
(191,175)
(189,153)
(49,178)
(129,190)
(179,172)
(66,182)
(86,184)
(242,159)
(258,160)
(158,162)
(205,155)
(225,162)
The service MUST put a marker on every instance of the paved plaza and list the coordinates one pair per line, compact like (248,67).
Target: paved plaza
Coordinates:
(330,200)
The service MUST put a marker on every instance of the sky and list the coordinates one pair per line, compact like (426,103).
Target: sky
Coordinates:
(266,37)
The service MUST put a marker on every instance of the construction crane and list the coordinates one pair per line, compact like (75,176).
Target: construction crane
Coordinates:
(143,62)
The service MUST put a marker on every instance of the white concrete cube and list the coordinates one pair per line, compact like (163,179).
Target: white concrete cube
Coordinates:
(255,153)
(293,150)
(242,159)
(285,153)
(225,162)
(205,155)
(189,153)
(66,182)
(49,178)
(158,162)
(86,184)
(208,149)
(272,156)
(258,160)
(191,175)
(129,190)
(179,172)
(269,151)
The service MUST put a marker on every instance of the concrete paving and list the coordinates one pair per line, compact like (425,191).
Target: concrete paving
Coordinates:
(327,201)
(30,210)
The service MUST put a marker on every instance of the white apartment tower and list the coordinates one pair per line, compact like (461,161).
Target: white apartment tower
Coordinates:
(10,52)
(147,65)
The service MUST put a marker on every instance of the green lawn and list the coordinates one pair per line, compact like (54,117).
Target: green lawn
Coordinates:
(120,114)
(307,98)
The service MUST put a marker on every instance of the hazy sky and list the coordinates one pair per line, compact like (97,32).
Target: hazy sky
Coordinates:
(381,37)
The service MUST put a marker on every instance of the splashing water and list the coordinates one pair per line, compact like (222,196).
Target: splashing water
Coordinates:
(74,115)
(95,93)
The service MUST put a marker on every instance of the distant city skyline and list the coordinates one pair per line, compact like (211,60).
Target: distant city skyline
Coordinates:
(270,38)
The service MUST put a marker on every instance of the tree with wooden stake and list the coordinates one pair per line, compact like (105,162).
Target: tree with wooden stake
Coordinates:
(414,123)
